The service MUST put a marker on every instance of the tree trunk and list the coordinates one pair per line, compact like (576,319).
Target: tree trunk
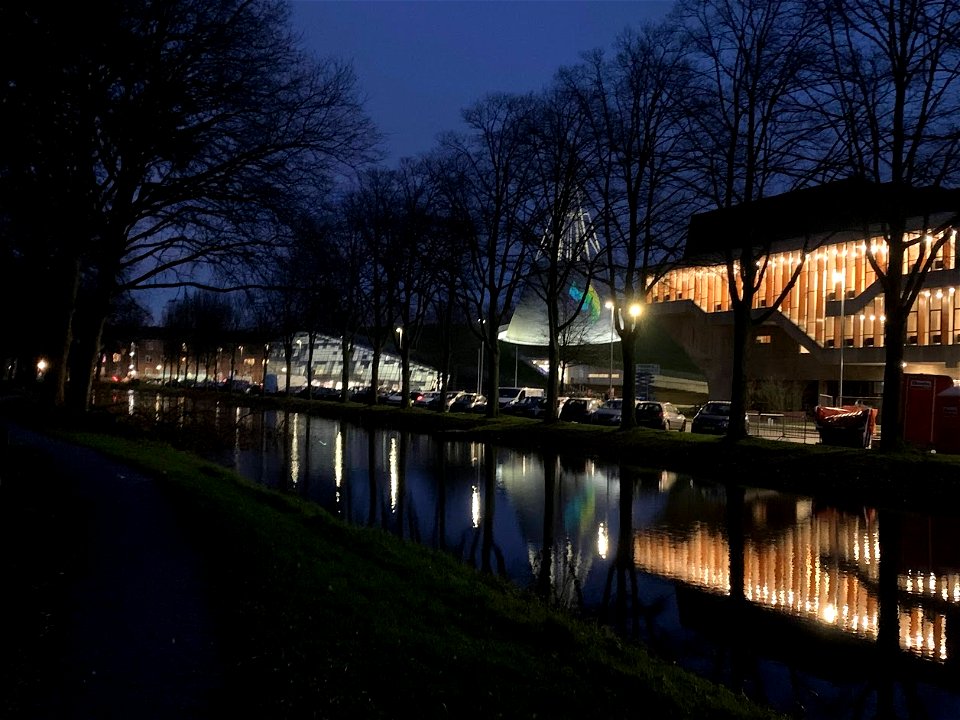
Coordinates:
(737,430)
(85,351)
(493,385)
(287,359)
(311,339)
(891,419)
(628,353)
(345,369)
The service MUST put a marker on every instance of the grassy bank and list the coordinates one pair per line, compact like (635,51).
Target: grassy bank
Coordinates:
(320,619)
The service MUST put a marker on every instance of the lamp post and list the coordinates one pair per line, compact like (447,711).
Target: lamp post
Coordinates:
(841,277)
(611,307)
(400,353)
(480,366)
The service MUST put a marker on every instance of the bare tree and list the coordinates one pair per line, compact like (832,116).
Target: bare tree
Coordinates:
(566,251)
(635,102)
(751,133)
(187,124)
(372,214)
(487,190)
(893,101)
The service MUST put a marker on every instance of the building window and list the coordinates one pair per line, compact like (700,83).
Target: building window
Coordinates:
(936,339)
(829,343)
(912,340)
(763,302)
(938,264)
(868,342)
(763,340)
(718,307)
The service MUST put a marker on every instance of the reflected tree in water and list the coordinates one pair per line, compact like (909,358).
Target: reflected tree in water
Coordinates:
(559,567)
(440,514)
(620,604)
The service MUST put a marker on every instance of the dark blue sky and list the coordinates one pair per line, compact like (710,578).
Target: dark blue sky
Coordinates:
(419,63)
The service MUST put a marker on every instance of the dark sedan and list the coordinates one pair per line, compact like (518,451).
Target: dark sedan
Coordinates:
(713,418)
(578,409)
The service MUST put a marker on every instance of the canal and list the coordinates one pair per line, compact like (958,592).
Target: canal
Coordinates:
(819,611)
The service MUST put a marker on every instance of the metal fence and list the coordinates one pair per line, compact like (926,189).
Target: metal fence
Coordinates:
(792,426)
(789,426)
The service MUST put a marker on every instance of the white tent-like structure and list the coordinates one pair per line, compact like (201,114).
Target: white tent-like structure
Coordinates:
(591,325)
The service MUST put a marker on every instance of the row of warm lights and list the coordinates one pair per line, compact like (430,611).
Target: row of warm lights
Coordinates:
(933,586)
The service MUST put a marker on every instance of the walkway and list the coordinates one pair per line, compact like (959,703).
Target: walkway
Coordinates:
(138,639)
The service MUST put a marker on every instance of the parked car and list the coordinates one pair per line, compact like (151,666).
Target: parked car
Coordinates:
(530,407)
(426,397)
(578,409)
(609,413)
(660,415)
(713,418)
(452,397)
(511,396)
(396,398)
(469,402)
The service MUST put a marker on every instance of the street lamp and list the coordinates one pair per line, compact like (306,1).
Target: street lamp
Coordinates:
(480,365)
(841,277)
(400,351)
(611,307)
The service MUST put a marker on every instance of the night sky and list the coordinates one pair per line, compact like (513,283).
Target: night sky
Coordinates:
(419,63)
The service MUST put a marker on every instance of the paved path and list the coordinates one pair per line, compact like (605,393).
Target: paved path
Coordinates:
(138,637)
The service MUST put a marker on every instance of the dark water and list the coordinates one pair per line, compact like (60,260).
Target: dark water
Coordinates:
(819,611)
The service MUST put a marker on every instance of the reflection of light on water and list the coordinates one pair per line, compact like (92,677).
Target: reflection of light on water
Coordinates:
(338,459)
(131,402)
(824,568)
(295,450)
(667,479)
(829,613)
(236,437)
(603,541)
(475,505)
(156,408)
(394,464)
(338,465)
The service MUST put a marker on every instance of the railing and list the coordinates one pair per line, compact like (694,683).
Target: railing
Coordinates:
(792,426)
(789,426)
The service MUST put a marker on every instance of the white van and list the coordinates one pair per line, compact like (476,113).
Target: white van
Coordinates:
(512,395)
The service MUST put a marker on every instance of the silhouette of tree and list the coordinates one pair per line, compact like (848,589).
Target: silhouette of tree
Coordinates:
(169,134)
(892,104)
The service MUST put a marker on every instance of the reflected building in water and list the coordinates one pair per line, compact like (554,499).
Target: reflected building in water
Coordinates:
(824,567)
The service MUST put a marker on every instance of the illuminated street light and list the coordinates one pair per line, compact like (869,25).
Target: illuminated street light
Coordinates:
(400,350)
